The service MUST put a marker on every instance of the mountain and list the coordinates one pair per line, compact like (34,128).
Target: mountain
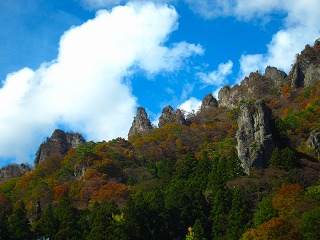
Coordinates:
(245,166)
(59,143)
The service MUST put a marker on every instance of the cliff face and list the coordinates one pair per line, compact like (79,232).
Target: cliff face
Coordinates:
(314,140)
(168,115)
(13,171)
(209,102)
(255,141)
(306,70)
(255,85)
(140,122)
(59,143)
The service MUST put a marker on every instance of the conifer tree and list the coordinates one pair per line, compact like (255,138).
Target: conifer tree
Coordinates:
(4,233)
(47,226)
(238,216)
(18,223)
(218,216)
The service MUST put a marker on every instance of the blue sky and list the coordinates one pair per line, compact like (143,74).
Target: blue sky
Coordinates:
(86,65)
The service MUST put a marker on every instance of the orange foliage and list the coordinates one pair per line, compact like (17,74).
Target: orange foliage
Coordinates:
(286,111)
(91,173)
(60,191)
(288,197)
(286,91)
(4,203)
(276,228)
(111,190)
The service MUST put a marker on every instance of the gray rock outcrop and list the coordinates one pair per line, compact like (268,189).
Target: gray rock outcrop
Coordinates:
(314,140)
(255,86)
(254,137)
(13,171)
(168,115)
(140,122)
(306,70)
(229,97)
(59,143)
(275,74)
(209,102)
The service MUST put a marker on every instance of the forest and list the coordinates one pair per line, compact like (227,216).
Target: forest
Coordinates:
(179,181)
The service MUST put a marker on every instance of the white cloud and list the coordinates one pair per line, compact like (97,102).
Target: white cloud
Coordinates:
(84,87)
(300,27)
(250,63)
(190,105)
(217,77)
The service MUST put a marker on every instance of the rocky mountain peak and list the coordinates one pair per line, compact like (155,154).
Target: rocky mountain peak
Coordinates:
(209,102)
(168,115)
(59,143)
(275,74)
(255,86)
(254,137)
(140,122)
(306,70)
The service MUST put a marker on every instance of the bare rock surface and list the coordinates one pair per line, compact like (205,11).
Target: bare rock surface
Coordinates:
(59,143)
(140,122)
(254,137)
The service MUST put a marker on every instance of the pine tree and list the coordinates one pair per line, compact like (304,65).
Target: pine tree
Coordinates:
(218,216)
(265,212)
(47,226)
(238,216)
(18,223)
(104,225)
(4,233)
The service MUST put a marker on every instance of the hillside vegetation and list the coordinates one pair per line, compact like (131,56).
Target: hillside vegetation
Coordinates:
(185,180)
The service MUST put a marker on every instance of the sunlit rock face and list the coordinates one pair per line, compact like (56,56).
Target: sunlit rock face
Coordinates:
(254,137)
(168,115)
(59,143)
(141,122)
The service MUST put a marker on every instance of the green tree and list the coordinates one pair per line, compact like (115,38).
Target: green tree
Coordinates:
(4,233)
(18,223)
(47,226)
(104,224)
(265,212)
(218,216)
(238,216)
(283,159)
(198,230)
(310,224)
(69,227)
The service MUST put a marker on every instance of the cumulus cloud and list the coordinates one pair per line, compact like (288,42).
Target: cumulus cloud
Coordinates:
(191,105)
(85,87)
(217,77)
(300,27)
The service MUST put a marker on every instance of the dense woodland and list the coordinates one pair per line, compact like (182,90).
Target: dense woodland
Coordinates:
(177,182)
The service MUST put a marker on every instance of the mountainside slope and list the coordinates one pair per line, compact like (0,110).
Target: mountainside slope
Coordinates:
(246,165)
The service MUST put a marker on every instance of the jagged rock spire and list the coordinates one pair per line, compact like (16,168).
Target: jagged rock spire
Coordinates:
(168,115)
(140,122)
